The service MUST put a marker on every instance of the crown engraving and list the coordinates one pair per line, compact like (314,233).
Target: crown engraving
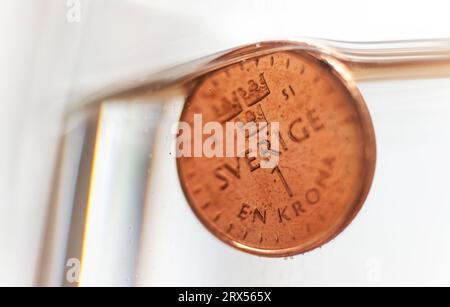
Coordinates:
(255,91)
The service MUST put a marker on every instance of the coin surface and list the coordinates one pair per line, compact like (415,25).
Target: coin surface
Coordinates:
(326,155)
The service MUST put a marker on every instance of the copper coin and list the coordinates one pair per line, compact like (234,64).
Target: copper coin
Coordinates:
(326,154)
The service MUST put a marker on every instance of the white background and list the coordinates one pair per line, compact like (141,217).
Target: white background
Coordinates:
(402,234)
